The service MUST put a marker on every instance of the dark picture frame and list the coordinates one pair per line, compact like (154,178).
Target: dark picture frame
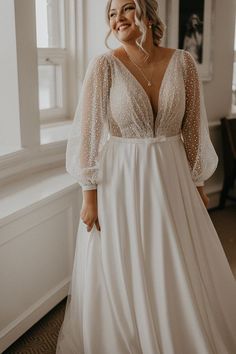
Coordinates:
(189,27)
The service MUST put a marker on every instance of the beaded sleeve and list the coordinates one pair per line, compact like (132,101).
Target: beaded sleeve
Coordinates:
(199,149)
(89,130)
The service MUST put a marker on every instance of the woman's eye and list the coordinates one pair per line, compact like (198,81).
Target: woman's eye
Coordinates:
(129,8)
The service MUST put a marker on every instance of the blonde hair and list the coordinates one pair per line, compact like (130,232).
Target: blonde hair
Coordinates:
(148,9)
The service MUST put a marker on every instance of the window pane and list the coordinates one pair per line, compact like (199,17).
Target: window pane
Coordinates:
(50,86)
(50,21)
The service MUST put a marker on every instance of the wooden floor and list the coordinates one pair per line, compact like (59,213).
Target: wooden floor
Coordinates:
(225,224)
(42,337)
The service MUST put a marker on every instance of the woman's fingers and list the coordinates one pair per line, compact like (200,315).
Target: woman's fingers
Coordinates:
(91,223)
(97,225)
(89,228)
(88,215)
(206,200)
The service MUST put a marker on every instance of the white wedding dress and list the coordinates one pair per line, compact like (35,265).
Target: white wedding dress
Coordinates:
(155,279)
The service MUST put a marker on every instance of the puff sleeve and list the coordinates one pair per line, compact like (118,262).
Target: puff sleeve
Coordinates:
(89,129)
(200,151)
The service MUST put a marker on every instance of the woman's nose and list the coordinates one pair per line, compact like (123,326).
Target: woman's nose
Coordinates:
(120,16)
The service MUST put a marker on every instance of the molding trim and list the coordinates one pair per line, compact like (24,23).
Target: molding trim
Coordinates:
(27,161)
(32,315)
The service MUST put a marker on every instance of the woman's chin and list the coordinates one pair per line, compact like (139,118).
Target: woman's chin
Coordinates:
(126,38)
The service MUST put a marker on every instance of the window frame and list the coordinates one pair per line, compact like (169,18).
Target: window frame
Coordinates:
(55,57)
(62,57)
(32,155)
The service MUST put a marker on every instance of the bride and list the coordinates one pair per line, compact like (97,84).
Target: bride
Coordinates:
(150,275)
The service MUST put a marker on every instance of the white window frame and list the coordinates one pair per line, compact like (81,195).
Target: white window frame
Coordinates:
(60,56)
(55,57)
(32,155)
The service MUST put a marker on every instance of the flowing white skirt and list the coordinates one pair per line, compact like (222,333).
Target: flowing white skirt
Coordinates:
(155,279)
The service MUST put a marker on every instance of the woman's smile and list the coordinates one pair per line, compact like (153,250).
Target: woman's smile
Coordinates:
(123,27)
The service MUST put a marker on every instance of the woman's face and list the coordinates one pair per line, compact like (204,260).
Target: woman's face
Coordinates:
(122,20)
(195,20)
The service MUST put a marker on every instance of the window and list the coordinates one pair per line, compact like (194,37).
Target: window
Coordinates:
(51,25)
(26,145)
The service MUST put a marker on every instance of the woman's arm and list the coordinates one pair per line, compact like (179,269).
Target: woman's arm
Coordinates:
(199,149)
(88,135)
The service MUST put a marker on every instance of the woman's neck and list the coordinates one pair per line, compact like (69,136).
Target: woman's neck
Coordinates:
(137,53)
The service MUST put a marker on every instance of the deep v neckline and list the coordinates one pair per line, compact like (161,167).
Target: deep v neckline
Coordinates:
(154,116)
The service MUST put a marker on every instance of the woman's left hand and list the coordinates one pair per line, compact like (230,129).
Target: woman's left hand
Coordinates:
(204,197)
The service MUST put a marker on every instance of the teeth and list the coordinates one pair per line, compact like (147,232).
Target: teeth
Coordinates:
(123,26)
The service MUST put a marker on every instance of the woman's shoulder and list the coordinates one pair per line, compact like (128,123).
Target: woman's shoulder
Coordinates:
(101,58)
(166,54)
(185,56)
(98,63)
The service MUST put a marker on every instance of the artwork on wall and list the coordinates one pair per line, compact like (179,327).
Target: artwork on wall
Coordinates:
(189,27)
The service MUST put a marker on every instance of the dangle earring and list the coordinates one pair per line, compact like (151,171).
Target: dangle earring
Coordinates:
(150,25)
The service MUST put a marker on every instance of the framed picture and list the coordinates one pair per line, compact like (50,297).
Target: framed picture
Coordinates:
(189,27)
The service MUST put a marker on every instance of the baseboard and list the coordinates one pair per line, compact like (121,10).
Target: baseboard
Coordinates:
(27,319)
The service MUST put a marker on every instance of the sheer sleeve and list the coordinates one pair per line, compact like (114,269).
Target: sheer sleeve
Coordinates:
(200,151)
(89,130)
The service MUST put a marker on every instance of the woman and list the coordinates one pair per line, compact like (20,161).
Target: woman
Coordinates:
(150,275)
(193,37)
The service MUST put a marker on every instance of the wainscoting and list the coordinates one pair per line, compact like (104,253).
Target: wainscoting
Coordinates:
(38,226)
(39,218)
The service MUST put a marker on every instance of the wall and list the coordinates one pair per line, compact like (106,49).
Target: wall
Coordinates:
(38,227)
(218,91)
(9,100)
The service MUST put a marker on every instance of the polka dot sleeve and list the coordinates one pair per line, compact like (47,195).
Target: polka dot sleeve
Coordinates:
(89,130)
(200,151)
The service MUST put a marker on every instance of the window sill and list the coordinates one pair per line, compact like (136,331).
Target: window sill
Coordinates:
(20,197)
(9,150)
(19,163)
(54,132)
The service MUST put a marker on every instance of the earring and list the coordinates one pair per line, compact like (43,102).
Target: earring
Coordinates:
(150,25)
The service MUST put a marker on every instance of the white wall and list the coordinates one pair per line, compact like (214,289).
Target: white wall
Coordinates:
(9,100)
(218,91)
(18,76)
(38,227)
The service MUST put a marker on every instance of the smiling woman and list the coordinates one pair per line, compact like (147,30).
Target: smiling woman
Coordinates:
(147,252)
(139,11)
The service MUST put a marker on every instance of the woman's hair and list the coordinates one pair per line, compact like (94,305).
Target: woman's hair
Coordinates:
(150,10)
(189,27)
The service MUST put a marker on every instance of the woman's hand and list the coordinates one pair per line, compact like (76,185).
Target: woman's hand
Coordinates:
(89,213)
(203,195)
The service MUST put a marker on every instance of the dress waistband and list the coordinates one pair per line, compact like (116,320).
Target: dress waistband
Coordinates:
(156,139)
